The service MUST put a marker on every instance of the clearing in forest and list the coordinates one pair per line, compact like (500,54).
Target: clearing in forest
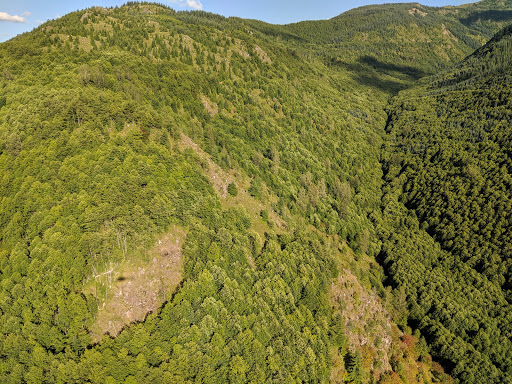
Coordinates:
(136,288)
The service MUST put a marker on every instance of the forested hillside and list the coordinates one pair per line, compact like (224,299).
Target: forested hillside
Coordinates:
(389,47)
(94,109)
(222,178)
(448,161)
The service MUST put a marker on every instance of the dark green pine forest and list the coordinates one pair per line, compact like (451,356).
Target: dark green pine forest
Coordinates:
(191,198)
(447,162)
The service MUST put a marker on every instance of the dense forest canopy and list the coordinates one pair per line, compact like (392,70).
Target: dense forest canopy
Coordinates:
(248,178)
(448,162)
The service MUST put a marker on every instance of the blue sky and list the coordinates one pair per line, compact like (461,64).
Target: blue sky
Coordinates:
(19,16)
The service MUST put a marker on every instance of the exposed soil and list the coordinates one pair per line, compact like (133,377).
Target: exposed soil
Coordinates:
(417,11)
(367,323)
(262,55)
(210,106)
(137,288)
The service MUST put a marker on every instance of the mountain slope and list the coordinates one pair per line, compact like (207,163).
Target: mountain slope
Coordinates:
(449,163)
(389,47)
(101,114)
(124,128)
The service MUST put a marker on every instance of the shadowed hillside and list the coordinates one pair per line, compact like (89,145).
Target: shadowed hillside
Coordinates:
(448,161)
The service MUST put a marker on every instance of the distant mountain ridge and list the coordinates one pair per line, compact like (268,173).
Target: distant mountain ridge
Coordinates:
(391,46)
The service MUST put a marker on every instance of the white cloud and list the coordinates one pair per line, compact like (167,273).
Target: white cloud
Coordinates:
(4,16)
(193,4)
(26,14)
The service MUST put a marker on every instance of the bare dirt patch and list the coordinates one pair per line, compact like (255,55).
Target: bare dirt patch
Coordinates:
(367,324)
(262,55)
(209,105)
(417,11)
(448,33)
(240,49)
(216,174)
(189,43)
(128,292)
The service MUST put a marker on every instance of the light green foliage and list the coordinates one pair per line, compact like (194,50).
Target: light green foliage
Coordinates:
(91,172)
(92,108)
